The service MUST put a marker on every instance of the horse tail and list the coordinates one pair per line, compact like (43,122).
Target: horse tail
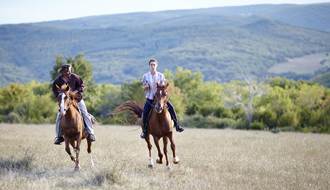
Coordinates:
(134,109)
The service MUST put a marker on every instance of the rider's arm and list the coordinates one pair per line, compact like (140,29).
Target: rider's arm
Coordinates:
(55,90)
(145,86)
(80,85)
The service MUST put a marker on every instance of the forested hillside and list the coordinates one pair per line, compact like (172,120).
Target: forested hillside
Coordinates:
(222,43)
(312,16)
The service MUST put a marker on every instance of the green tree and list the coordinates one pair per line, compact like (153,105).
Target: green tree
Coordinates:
(133,91)
(84,70)
(310,96)
(185,80)
(13,97)
(208,96)
(80,66)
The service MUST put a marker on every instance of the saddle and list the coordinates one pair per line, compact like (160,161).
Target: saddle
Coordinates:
(93,120)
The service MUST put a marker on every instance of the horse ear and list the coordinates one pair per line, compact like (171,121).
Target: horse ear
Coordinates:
(58,88)
(167,84)
(157,84)
(68,87)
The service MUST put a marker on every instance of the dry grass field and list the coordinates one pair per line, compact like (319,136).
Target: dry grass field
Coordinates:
(209,159)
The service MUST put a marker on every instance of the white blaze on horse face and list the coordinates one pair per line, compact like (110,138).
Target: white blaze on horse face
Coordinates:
(158,106)
(160,98)
(62,104)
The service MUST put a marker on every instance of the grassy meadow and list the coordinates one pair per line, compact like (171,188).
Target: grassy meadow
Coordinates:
(209,159)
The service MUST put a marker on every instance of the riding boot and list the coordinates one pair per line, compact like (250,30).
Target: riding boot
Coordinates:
(145,129)
(177,125)
(146,110)
(144,133)
(179,128)
(59,140)
(91,138)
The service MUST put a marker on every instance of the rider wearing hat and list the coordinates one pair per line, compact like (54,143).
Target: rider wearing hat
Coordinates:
(77,86)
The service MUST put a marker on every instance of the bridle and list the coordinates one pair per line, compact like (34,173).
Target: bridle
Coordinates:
(160,108)
(63,95)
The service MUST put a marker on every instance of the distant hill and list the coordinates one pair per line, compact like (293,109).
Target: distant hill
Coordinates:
(312,16)
(221,46)
(323,80)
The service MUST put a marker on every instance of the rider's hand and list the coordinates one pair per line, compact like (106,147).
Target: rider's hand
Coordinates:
(146,85)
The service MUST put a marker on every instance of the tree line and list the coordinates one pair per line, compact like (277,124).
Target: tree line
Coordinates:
(276,104)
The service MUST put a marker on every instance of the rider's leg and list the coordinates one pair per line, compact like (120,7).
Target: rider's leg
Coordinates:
(174,117)
(87,120)
(59,137)
(146,110)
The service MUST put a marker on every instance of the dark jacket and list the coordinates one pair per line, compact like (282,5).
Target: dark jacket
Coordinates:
(75,83)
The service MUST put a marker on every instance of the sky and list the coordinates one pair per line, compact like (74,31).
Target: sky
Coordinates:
(27,11)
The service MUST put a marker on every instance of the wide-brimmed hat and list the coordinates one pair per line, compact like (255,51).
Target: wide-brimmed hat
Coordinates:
(63,68)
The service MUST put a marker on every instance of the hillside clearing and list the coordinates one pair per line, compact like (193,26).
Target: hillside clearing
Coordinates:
(301,65)
(210,159)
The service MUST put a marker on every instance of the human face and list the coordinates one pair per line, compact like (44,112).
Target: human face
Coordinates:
(153,66)
(67,73)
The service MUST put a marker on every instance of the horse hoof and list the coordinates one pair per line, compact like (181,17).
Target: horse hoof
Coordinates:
(176,160)
(169,167)
(150,166)
(77,169)
(158,161)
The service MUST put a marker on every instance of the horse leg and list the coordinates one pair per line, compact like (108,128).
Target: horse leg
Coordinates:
(160,155)
(73,144)
(78,139)
(151,164)
(67,149)
(175,158)
(165,140)
(89,150)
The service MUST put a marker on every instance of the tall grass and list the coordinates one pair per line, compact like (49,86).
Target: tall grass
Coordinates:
(209,159)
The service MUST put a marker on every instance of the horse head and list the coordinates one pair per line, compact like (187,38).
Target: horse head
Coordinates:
(65,98)
(161,97)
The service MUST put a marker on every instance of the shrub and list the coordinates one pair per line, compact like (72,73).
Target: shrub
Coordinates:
(267,117)
(257,126)
(241,125)
(288,119)
(12,117)
(198,121)
(223,112)
(275,130)
(205,110)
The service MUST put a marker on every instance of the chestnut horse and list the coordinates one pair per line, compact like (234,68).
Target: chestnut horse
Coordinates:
(160,124)
(72,123)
